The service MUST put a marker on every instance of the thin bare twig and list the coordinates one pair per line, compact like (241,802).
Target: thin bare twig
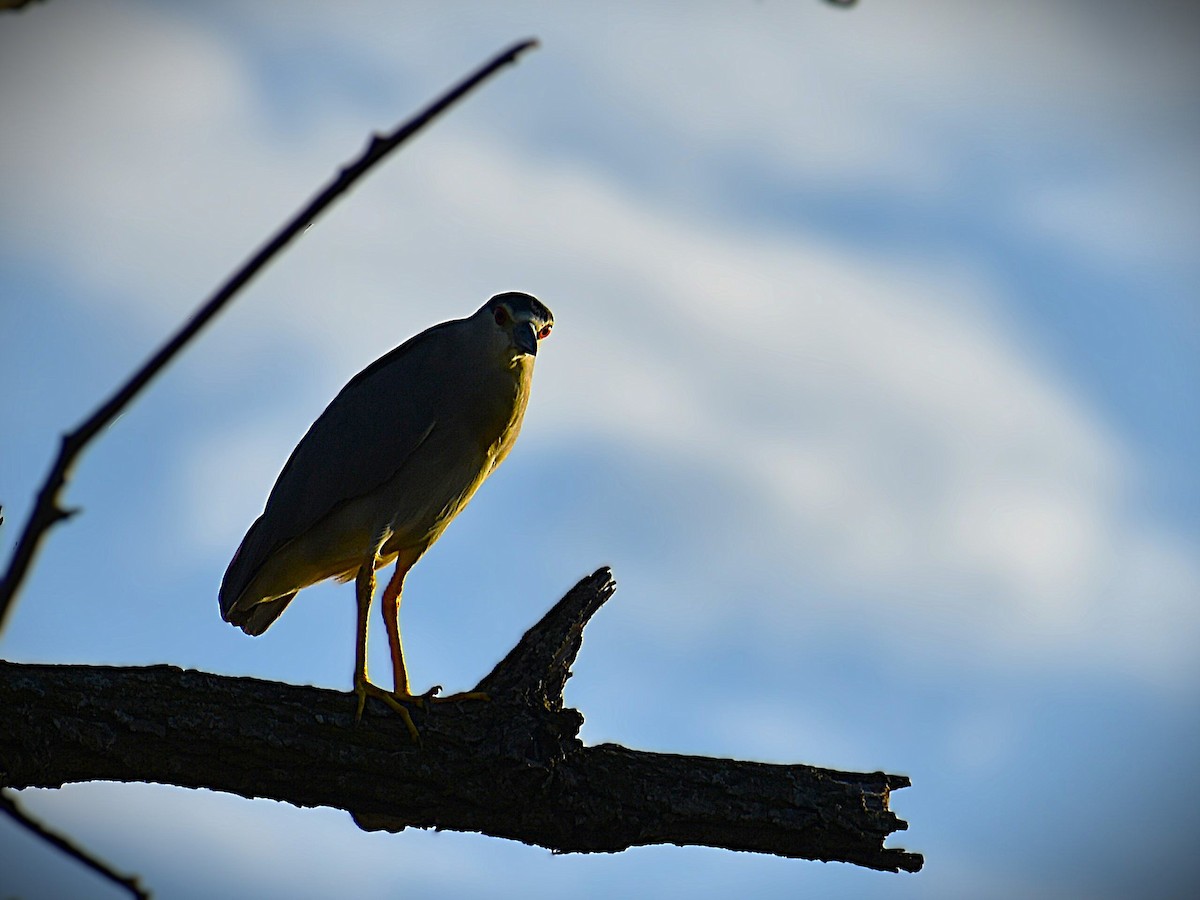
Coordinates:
(129,882)
(47,510)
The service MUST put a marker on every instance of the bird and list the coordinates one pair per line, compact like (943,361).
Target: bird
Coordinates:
(381,473)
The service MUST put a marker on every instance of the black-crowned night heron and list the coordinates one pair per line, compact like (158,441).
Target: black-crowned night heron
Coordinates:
(380,474)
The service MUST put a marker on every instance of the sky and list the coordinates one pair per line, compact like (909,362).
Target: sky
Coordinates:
(875,378)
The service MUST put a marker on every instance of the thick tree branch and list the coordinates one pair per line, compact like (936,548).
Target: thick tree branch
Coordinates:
(513,767)
(48,510)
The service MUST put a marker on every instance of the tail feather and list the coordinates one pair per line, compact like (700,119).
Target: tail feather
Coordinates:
(251,614)
(240,572)
(257,617)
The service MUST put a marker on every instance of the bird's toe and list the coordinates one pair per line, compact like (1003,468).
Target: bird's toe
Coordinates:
(364,689)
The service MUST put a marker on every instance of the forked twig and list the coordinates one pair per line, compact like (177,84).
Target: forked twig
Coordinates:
(47,510)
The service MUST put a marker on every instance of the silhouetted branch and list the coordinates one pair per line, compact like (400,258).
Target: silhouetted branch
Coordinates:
(15,5)
(47,510)
(18,815)
(513,767)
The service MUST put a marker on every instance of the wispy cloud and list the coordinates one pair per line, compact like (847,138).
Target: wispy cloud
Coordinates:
(877,417)
(785,434)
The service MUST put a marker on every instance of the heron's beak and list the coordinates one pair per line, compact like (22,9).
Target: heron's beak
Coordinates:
(525,337)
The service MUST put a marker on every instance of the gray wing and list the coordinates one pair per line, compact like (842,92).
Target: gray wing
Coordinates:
(356,445)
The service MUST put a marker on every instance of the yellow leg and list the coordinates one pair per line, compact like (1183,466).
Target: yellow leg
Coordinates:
(391,624)
(364,586)
(391,621)
(364,590)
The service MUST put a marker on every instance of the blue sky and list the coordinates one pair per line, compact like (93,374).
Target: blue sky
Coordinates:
(875,378)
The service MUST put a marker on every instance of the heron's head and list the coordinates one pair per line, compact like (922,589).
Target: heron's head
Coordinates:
(521,320)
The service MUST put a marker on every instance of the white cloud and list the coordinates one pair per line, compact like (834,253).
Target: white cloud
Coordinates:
(884,426)
(885,429)
(862,445)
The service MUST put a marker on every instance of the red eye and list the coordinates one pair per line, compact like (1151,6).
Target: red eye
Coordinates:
(545,332)
(501,315)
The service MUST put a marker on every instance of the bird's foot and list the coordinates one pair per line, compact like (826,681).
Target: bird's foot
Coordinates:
(364,689)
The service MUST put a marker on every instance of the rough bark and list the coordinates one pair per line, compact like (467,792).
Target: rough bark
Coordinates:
(512,767)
